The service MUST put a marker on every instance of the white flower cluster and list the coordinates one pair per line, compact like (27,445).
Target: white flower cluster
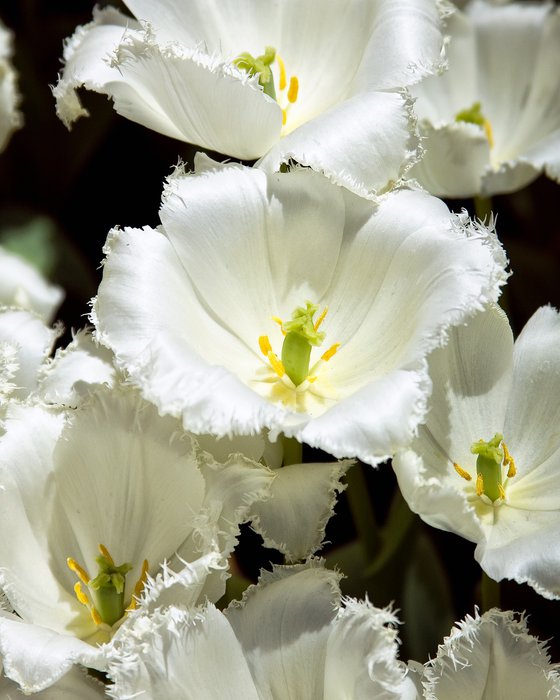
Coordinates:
(324,296)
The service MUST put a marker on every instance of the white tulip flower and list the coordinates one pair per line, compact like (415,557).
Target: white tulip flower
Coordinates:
(291,637)
(318,81)
(490,657)
(491,123)
(98,498)
(486,464)
(285,302)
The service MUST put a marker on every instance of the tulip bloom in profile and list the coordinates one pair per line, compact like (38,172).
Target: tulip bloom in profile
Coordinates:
(486,463)
(290,637)
(491,123)
(488,657)
(317,82)
(285,302)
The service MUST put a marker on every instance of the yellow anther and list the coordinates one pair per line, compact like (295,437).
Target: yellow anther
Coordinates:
(264,345)
(462,472)
(282,78)
(80,595)
(139,587)
(276,364)
(279,321)
(293,89)
(479,485)
(77,569)
(105,553)
(489,133)
(326,356)
(95,616)
(311,379)
(509,462)
(502,492)
(321,318)
(284,117)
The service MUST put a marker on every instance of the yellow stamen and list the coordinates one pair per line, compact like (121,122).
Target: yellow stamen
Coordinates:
(326,356)
(284,117)
(502,492)
(95,616)
(105,553)
(488,131)
(462,472)
(321,318)
(264,345)
(138,588)
(293,89)
(509,462)
(279,321)
(479,485)
(84,600)
(77,569)
(276,364)
(282,78)
(80,595)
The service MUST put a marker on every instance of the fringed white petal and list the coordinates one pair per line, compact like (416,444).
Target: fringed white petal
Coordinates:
(361,660)
(366,143)
(22,286)
(491,656)
(283,624)
(181,92)
(35,657)
(180,654)
(303,499)
(82,362)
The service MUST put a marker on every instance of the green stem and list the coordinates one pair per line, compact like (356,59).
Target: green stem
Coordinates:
(395,531)
(489,593)
(293,451)
(362,511)
(483,208)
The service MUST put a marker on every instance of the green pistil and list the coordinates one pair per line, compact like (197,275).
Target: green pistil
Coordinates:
(489,465)
(107,589)
(261,66)
(473,115)
(301,335)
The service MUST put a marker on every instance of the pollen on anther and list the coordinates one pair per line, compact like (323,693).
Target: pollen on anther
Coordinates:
(80,595)
(293,89)
(502,492)
(282,77)
(139,586)
(509,462)
(276,364)
(326,356)
(479,485)
(321,318)
(81,573)
(264,345)
(462,472)
(105,553)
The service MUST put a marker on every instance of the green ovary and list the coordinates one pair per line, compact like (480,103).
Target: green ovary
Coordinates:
(107,589)
(489,465)
(301,335)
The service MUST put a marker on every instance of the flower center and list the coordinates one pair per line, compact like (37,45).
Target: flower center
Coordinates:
(106,591)
(493,458)
(474,115)
(300,335)
(261,65)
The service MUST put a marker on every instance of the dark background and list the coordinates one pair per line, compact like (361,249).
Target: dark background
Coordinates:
(108,171)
